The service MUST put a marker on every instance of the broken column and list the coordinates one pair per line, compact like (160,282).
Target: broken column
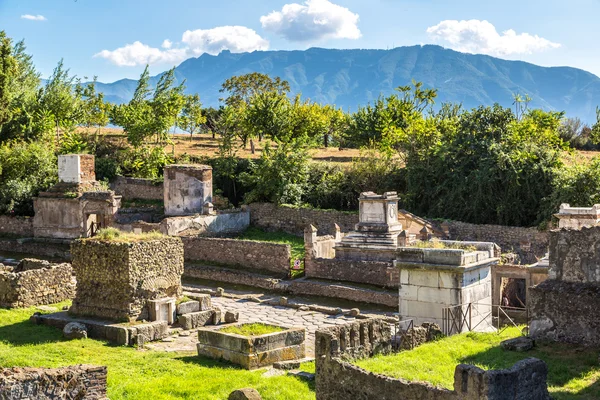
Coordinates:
(127,279)
(188,189)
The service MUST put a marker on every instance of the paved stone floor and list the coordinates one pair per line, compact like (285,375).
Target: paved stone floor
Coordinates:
(250,311)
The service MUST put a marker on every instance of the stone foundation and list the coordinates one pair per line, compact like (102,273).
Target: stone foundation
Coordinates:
(255,351)
(338,379)
(36,286)
(116,279)
(82,382)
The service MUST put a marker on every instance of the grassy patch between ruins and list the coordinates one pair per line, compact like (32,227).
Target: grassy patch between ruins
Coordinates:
(134,374)
(255,329)
(573,372)
(436,244)
(117,236)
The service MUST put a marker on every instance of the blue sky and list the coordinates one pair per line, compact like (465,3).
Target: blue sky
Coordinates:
(114,39)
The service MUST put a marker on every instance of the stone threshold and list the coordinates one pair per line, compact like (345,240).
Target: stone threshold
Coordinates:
(123,334)
(360,293)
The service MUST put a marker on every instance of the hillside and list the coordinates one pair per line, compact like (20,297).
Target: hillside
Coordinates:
(349,78)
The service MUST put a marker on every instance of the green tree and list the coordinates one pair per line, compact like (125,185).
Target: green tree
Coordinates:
(243,88)
(94,108)
(192,118)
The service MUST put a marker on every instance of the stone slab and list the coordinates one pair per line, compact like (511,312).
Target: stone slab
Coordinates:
(253,360)
(196,319)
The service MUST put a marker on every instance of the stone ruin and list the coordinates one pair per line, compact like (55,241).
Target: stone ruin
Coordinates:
(565,307)
(188,190)
(128,280)
(77,206)
(578,217)
(430,281)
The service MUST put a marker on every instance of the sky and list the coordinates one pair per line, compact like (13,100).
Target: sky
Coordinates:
(114,39)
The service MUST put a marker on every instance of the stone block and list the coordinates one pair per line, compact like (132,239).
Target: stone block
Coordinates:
(188,307)
(162,310)
(231,317)
(519,344)
(423,277)
(245,394)
(439,295)
(443,256)
(75,330)
(197,319)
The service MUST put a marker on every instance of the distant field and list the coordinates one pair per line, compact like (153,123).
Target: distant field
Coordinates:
(205,145)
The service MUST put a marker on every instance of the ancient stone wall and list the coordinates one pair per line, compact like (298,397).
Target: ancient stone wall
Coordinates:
(41,248)
(82,382)
(16,226)
(565,307)
(116,279)
(338,379)
(377,273)
(138,188)
(247,254)
(37,286)
(271,217)
(530,244)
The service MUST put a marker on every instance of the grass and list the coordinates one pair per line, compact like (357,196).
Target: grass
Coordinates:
(296,243)
(134,374)
(255,329)
(117,236)
(436,244)
(139,203)
(182,299)
(573,372)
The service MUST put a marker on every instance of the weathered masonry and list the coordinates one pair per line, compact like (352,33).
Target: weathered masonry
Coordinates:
(338,379)
(119,280)
(565,307)
(188,189)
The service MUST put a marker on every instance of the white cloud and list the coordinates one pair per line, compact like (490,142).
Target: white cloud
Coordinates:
(138,53)
(237,39)
(33,17)
(475,36)
(314,20)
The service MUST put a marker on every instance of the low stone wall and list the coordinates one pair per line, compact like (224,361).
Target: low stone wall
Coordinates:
(337,379)
(271,217)
(17,226)
(36,287)
(36,248)
(232,221)
(530,244)
(82,382)
(247,254)
(377,273)
(137,188)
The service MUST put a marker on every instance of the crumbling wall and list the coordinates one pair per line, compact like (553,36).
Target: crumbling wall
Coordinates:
(338,379)
(138,188)
(81,382)
(187,189)
(35,287)
(250,255)
(116,279)
(16,226)
(565,307)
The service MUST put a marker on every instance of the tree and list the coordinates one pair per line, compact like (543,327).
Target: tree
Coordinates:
(94,108)
(243,88)
(8,72)
(212,116)
(61,100)
(192,118)
(267,114)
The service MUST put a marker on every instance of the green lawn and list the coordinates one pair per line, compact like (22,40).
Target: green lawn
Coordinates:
(255,329)
(573,372)
(134,374)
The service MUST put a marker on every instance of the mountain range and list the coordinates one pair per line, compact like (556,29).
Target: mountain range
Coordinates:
(349,78)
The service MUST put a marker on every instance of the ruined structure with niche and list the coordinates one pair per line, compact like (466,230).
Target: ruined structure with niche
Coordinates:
(119,280)
(565,307)
(77,206)
(338,379)
(188,189)
(578,217)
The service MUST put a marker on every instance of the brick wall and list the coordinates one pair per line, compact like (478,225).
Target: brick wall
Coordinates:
(338,379)
(137,188)
(529,243)
(83,382)
(377,273)
(250,255)
(271,217)
(17,226)
(37,287)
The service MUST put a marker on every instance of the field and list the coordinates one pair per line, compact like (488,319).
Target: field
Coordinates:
(573,372)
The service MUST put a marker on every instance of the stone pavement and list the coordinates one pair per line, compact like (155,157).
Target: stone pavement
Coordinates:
(250,311)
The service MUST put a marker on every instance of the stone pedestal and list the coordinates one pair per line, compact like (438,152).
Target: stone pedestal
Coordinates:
(376,235)
(187,189)
(117,280)
(578,217)
(450,287)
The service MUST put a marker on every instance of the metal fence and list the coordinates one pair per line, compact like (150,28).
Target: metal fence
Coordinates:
(469,317)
